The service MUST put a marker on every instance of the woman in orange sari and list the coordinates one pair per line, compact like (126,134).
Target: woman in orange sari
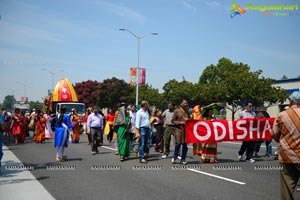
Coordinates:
(75,120)
(196,114)
(209,150)
(39,136)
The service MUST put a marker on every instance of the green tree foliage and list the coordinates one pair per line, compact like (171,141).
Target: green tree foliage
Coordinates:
(8,102)
(146,92)
(235,84)
(36,104)
(177,91)
(284,77)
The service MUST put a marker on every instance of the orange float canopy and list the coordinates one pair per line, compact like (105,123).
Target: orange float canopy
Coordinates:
(64,92)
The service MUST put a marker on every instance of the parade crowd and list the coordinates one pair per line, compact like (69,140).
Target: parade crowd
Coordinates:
(137,131)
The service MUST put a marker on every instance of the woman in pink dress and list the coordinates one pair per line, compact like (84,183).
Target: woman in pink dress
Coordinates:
(48,129)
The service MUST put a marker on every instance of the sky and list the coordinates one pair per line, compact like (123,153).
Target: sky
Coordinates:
(82,38)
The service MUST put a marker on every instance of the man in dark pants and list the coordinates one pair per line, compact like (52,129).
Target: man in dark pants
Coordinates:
(95,126)
(286,131)
(247,146)
(169,130)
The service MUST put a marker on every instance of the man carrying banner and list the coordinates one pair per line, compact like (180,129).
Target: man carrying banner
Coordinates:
(179,118)
(286,131)
(247,146)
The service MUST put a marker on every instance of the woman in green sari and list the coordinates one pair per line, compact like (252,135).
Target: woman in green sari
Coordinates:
(123,132)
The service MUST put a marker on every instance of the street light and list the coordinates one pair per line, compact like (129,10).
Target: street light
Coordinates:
(53,73)
(138,61)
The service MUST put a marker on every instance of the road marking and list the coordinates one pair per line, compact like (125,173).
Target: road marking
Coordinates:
(239,143)
(236,143)
(109,148)
(219,177)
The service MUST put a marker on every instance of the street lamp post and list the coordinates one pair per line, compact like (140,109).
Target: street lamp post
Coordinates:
(52,74)
(138,60)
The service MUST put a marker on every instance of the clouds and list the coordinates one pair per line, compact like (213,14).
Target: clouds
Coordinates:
(188,4)
(121,11)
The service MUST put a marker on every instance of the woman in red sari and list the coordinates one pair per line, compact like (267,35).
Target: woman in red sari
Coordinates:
(24,126)
(16,125)
(39,136)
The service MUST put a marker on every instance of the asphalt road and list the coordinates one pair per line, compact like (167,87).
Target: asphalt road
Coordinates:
(103,176)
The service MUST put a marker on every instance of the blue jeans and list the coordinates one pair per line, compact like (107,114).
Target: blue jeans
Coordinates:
(144,142)
(1,151)
(268,147)
(184,151)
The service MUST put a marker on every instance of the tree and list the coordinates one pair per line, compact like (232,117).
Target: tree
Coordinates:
(113,90)
(284,77)
(37,105)
(177,91)
(235,84)
(154,98)
(8,102)
(88,92)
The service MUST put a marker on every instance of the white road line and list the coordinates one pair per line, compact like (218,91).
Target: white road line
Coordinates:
(109,148)
(219,177)
(239,143)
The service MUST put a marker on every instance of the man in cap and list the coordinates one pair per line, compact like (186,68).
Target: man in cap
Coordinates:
(286,131)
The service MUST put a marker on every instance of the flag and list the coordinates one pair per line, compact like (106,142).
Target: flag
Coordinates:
(142,76)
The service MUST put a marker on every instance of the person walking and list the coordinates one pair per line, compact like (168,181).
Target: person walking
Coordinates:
(48,129)
(122,128)
(286,131)
(75,120)
(63,128)
(132,114)
(196,115)
(169,128)
(247,146)
(143,130)
(180,116)
(95,127)
(16,125)
(209,150)
(158,126)
(84,121)
(39,135)
(3,128)
(108,130)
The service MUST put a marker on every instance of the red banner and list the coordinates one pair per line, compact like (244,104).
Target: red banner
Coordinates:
(201,131)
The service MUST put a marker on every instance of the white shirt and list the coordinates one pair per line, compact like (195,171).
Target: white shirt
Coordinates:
(142,119)
(247,114)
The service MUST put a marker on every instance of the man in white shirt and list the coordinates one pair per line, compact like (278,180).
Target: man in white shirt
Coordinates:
(247,146)
(142,125)
(95,127)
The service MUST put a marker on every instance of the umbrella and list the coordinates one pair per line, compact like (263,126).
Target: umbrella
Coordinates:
(216,107)
(64,91)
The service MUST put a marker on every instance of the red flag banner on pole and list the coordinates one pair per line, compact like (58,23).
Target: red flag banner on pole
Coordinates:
(142,76)
(201,131)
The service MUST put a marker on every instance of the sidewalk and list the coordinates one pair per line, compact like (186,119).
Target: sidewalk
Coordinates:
(18,183)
